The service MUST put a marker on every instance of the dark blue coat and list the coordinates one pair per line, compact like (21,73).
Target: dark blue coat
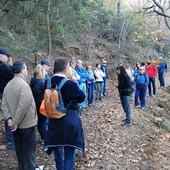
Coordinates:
(68,130)
(6,74)
(105,70)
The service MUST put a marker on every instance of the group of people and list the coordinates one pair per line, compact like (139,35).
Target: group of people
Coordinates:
(142,76)
(90,80)
(20,104)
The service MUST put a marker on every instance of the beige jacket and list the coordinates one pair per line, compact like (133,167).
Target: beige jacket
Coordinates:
(18,103)
(99,75)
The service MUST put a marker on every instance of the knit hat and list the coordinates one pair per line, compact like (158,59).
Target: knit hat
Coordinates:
(45,62)
(5,52)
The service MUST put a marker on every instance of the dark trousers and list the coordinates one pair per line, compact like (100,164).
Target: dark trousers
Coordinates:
(125,101)
(161,79)
(152,83)
(25,148)
(9,135)
(104,85)
(8,132)
(66,162)
(42,125)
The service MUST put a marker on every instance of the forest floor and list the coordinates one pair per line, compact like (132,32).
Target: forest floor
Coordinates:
(109,146)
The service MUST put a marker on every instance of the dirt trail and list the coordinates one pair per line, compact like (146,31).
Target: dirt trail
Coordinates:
(109,146)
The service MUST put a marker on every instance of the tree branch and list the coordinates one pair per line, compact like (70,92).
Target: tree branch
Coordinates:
(162,14)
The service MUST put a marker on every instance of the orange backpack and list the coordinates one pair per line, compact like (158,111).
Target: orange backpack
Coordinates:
(52,105)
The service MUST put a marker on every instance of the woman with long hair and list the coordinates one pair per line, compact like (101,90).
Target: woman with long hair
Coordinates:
(124,88)
(37,85)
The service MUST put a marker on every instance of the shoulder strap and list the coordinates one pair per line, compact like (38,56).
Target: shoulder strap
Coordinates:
(63,81)
(60,96)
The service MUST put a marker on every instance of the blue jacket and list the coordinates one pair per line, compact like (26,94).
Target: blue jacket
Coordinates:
(142,79)
(82,73)
(6,74)
(66,131)
(161,67)
(105,70)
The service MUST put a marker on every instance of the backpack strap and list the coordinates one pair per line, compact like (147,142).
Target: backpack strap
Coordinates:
(63,81)
(49,83)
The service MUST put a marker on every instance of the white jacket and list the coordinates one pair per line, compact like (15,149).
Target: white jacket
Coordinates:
(99,75)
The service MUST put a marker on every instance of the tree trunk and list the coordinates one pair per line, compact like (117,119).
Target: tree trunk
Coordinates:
(118,8)
(37,33)
(49,29)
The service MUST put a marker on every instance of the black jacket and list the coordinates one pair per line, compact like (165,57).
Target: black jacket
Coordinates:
(6,74)
(124,85)
(38,88)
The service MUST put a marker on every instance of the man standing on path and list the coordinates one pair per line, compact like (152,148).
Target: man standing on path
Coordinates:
(161,70)
(105,78)
(64,135)
(82,81)
(19,109)
(6,74)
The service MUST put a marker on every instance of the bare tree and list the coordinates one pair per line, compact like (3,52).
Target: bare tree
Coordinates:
(161,8)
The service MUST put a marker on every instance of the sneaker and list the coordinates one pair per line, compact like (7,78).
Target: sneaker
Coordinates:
(124,120)
(90,105)
(143,107)
(105,94)
(39,167)
(126,124)
(9,145)
(153,96)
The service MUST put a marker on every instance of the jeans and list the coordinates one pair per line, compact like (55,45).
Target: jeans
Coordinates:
(125,101)
(99,86)
(161,79)
(25,148)
(82,87)
(152,81)
(9,135)
(142,94)
(42,125)
(8,132)
(104,85)
(90,93)
(66,163)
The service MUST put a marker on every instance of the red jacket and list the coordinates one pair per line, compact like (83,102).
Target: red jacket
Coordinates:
(151,71)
